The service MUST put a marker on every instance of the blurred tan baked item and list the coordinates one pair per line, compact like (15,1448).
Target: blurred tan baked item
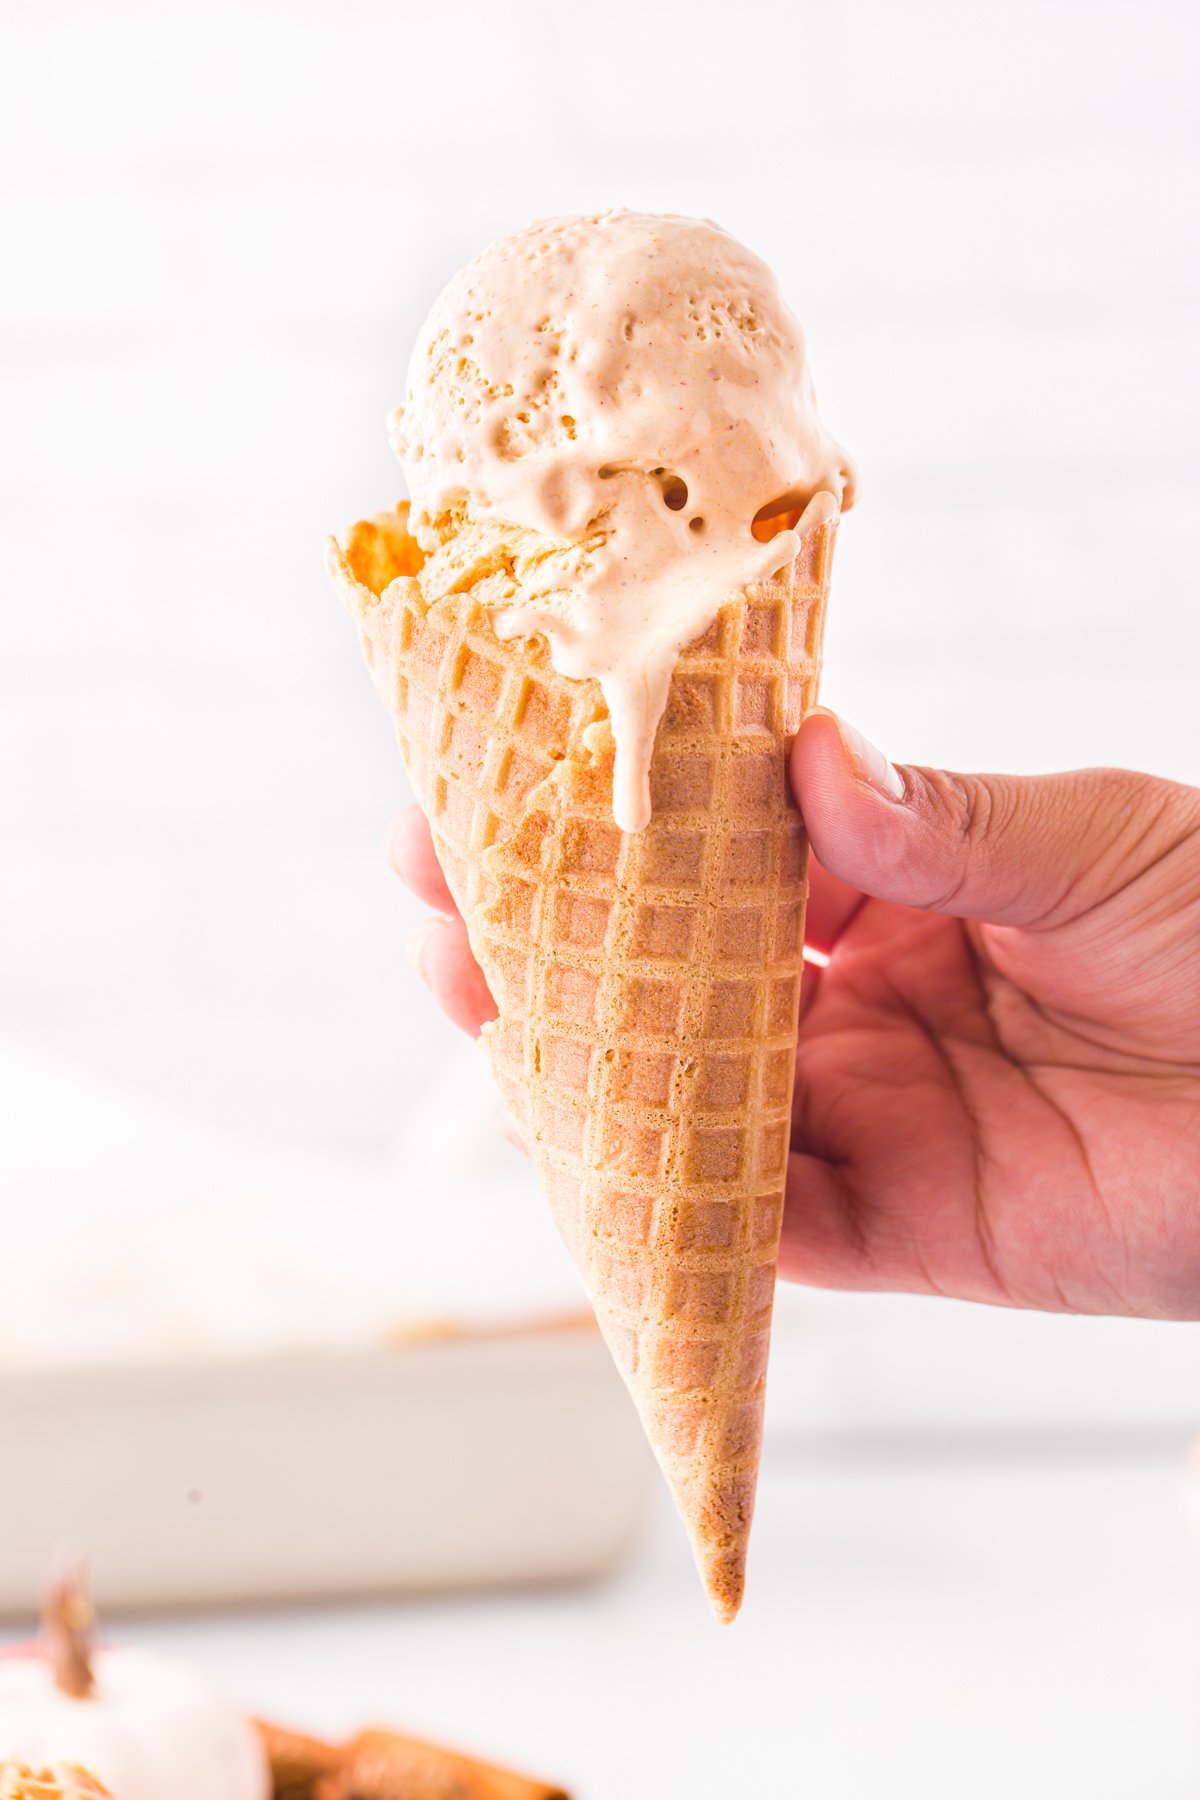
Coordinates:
(647,982)
(384,1765)
(65,1781)
(302,1768)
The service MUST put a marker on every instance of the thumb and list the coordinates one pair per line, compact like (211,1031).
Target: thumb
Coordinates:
(1009,849)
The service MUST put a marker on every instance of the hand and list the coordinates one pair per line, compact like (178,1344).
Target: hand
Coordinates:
(998,1069)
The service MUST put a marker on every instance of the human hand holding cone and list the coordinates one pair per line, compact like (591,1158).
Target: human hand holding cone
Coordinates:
(647,978)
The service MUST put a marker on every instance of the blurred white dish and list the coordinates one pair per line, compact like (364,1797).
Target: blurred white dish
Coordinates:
(137,1235)
(449,1462)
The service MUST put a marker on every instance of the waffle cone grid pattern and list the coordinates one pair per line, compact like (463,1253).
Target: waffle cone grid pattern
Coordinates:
(647,984)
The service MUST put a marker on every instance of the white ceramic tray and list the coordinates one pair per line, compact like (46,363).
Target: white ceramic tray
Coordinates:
(448,1462)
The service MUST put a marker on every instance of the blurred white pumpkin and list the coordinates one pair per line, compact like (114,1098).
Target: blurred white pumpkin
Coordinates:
(149,1728)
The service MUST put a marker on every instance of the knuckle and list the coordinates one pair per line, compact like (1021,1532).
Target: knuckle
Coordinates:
(971,814)
(1144,827)
(973,808)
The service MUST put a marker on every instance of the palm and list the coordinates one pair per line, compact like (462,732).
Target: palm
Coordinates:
(998,1115)
(1007,1113)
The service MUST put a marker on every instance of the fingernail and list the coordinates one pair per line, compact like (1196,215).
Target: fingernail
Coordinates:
(418,939)
(871,764)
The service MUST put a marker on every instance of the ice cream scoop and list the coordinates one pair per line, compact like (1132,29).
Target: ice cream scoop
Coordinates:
(631,388)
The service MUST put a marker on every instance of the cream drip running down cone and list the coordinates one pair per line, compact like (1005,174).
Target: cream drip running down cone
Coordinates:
(597,629)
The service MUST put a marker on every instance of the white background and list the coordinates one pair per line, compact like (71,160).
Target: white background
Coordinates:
(231,1117)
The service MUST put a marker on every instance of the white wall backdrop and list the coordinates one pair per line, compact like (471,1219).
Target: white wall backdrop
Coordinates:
(222,225)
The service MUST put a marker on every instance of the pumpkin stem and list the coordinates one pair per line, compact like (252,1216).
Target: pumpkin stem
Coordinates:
(68,1620)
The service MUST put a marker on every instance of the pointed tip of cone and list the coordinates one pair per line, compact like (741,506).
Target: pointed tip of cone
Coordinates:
(723,1572)
(716,1503)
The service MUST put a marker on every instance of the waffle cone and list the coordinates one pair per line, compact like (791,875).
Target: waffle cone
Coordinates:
(647,983)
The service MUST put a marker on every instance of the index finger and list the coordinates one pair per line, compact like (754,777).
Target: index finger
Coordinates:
(410,851)
(832,904)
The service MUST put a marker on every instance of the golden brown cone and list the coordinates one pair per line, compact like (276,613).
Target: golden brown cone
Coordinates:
(647,983)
